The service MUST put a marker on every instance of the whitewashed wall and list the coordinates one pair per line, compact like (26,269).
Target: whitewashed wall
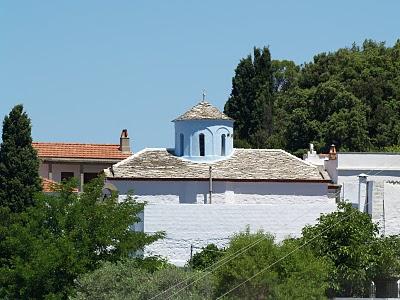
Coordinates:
(180,209)
(200,225)
(173,192)
(385,206)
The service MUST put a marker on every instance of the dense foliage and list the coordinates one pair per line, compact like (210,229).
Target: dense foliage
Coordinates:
(267,270)
(46,247)
(124,280)
(206,258)
(350,97)
(19,165)
(349,240)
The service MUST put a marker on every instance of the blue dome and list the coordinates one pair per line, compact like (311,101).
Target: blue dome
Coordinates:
(203,134)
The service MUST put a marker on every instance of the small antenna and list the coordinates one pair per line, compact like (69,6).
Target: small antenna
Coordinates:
(204,95)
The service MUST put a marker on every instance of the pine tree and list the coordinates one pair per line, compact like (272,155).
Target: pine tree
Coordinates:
(19,164)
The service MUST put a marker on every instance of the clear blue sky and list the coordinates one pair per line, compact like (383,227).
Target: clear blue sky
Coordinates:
(86,69)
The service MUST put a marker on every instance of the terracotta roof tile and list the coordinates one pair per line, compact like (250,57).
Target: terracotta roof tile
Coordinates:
(50,186)
(76,150)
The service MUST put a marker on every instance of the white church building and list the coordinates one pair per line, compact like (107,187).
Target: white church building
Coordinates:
(204,190)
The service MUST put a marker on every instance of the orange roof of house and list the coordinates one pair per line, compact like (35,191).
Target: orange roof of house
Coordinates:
(50,186)
(77,150)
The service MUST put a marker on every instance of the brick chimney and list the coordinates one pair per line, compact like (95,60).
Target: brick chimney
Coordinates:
(124,145)
(332,152)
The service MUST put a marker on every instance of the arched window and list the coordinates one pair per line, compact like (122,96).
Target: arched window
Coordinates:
(223,143)
(182,144)
(201,144)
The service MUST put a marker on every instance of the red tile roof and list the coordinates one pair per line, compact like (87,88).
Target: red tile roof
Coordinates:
(76,150)
(50,186)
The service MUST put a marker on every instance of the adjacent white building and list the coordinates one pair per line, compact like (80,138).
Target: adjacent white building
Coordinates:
(204,191)
(371,181)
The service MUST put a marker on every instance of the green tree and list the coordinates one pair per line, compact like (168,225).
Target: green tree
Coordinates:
(251,102)
(208,256)
(19,164)
(46,247)
(125,280)
(267,270)
(344,237)
(349,97)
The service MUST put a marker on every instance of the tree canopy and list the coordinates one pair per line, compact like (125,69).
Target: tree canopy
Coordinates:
(19,164)
(349,97)
(46,247)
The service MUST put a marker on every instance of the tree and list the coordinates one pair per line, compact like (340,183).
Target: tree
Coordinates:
(344,237)
(207,257)
(267,270)
(19,164)
(349,97)
(125,280)
(251,101)
(45,248)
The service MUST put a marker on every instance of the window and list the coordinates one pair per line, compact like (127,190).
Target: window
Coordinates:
(201,144)
(223,142)
(87,177)
(182,144)
(65,176)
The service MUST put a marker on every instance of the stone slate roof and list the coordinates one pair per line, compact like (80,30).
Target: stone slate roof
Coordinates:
(242,165)
(203,111)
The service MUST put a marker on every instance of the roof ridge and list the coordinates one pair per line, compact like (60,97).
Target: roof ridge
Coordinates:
(75,143)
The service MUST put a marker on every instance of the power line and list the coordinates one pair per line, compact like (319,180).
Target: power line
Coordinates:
(282,258)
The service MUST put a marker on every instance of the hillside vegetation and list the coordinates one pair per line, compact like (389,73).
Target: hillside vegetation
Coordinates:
(350,97)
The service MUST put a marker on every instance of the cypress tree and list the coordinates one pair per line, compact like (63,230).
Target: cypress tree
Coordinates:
(251,101)
(19,164)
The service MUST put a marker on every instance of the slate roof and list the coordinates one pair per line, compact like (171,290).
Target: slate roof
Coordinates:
(77,150)
(203,111)
(242,165)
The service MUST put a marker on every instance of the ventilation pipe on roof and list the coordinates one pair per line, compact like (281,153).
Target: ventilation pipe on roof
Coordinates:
(124,142)
(210,183)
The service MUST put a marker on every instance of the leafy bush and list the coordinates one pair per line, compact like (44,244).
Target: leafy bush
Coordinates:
(267,270)
(208,256)
(124,280)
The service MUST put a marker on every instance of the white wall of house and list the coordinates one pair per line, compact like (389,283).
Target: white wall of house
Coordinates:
(348,166)
(384,202)
(179,209)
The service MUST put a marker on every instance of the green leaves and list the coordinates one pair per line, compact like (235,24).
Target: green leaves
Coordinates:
(349,97)
(19,165)
(45,248)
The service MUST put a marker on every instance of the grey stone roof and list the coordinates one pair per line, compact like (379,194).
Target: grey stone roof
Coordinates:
(242,165)
(203,111)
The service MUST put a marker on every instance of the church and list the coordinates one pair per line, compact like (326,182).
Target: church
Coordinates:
(204,190)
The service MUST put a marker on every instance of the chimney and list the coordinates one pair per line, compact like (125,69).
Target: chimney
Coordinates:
(332,152)
(124,142)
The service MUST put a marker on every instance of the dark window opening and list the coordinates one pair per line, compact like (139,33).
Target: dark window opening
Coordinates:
(201,144)
(65,176)
(223,142)
(182,144)
(87,177)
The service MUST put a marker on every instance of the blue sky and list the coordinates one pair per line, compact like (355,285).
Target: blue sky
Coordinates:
(86,69)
